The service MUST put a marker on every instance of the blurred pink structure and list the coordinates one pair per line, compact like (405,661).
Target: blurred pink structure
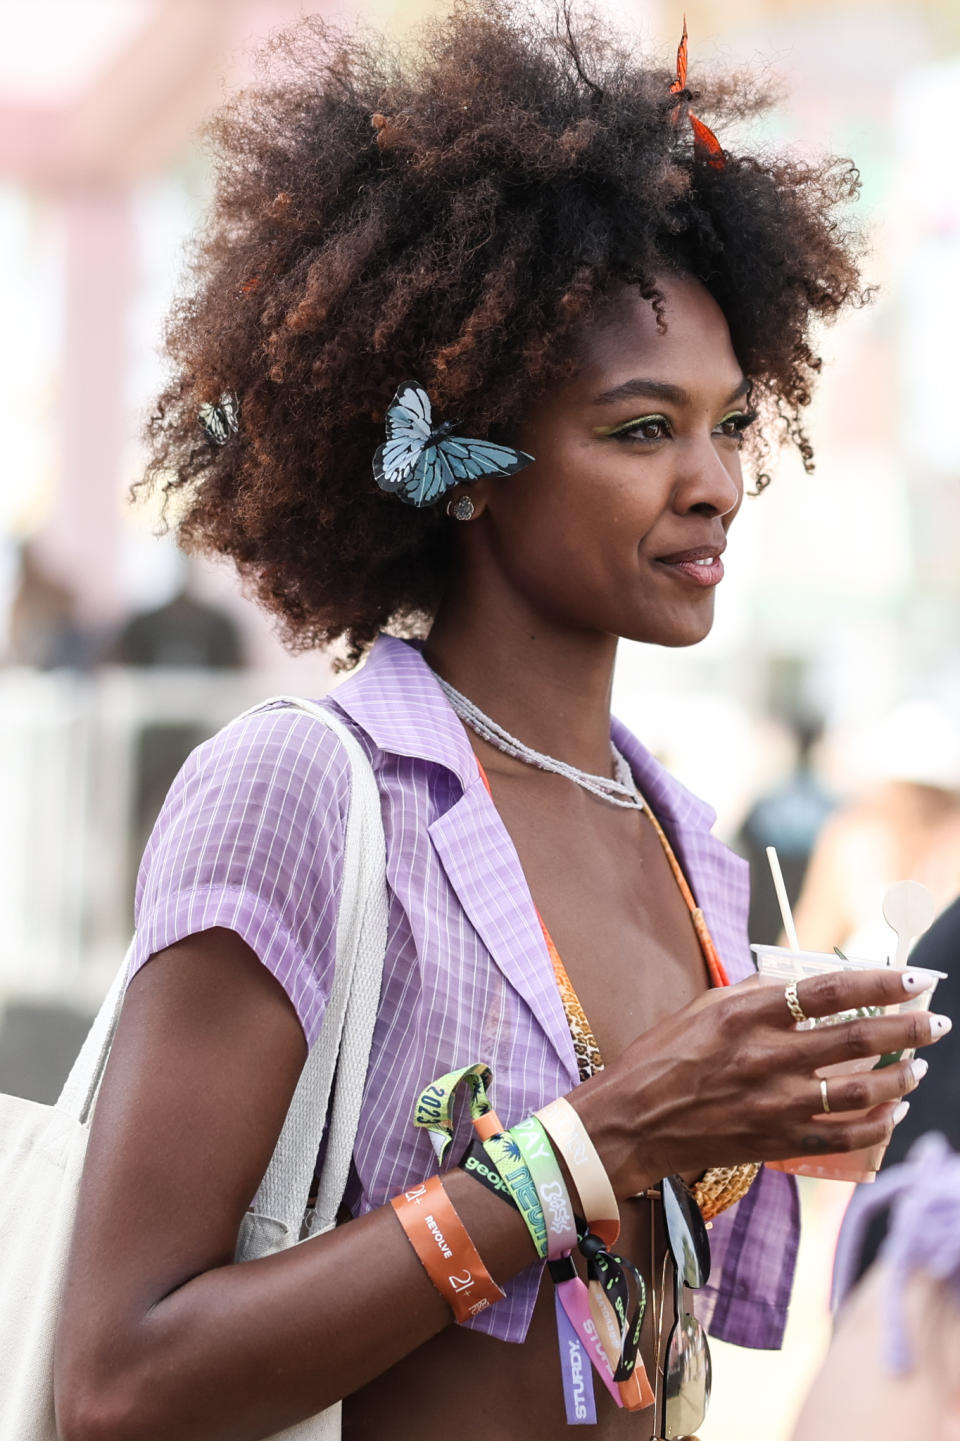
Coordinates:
(131,120)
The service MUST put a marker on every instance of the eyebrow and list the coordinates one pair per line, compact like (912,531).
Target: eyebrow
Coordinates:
(661,390)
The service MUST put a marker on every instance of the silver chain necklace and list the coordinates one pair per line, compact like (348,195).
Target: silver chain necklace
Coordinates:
(619,792)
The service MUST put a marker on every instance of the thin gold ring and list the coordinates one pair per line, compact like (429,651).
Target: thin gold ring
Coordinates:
(796,1010)
(824,1098)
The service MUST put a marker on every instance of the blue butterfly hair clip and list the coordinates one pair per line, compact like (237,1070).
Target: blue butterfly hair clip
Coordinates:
(420,462)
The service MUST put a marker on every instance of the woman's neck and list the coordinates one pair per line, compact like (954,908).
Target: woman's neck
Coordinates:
(547,684)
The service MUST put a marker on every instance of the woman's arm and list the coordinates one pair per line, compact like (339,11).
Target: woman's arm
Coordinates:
(160,1334)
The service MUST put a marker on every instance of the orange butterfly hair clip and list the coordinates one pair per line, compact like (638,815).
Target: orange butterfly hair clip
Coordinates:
(705,144)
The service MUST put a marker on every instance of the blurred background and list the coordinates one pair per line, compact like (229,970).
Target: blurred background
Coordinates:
(822,713)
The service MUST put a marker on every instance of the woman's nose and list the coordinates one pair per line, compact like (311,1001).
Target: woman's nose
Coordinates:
(708,481)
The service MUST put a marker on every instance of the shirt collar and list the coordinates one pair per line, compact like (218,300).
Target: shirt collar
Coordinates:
(395,698)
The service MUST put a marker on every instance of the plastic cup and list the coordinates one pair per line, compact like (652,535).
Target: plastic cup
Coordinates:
(786,965)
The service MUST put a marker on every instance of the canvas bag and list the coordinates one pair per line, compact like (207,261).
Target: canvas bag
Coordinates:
(42,1147)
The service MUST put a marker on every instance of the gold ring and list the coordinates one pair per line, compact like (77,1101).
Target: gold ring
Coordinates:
(796,1010)
(824,1098)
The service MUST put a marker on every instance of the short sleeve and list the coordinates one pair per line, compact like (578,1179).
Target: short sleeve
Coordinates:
(250,837)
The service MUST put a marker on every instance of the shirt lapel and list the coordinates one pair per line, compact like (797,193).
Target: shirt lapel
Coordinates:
(718,878)
(395,699)
(482,866)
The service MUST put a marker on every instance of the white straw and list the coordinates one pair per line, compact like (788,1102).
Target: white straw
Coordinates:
(781,890)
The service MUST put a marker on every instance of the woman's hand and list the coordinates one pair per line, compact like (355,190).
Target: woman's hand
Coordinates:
(730,1079)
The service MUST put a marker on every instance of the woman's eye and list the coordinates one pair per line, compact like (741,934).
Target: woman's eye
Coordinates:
(734,426)
(650,428)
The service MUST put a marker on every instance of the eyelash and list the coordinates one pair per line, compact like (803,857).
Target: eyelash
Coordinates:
(740,420)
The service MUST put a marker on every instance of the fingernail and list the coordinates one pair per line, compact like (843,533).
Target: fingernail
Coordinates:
(900,1112)
(919,1068)
(915,980)
(939,1026)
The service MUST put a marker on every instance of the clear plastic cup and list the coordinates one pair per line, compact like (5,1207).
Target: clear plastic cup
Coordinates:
(786,965)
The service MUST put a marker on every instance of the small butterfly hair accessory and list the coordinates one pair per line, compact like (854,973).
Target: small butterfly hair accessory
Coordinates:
(222,420)
(420,462)
(706,146)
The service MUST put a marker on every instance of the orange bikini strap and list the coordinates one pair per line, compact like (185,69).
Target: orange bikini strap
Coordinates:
(715,967)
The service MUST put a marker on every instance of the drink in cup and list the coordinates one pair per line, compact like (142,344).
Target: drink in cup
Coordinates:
(786,965)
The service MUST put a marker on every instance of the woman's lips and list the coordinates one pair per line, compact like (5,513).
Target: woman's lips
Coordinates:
(702,569)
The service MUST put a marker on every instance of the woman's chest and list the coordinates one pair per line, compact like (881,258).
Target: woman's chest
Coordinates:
(605,889)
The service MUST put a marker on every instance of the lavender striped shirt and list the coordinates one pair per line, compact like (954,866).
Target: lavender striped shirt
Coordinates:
(251,837)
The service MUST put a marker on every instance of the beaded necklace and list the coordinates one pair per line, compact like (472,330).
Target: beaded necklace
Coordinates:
(619,792)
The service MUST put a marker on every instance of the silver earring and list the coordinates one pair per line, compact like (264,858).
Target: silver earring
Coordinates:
(462,508)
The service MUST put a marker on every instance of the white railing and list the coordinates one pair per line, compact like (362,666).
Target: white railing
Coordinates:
(68,829)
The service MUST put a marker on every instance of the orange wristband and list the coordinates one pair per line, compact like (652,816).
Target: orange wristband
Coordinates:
(445,1250)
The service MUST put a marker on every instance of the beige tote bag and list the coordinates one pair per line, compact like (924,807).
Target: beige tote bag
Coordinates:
(42,1147)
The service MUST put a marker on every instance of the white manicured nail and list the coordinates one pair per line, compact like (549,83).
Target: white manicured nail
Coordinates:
(939,1026)
(917,980)
(900,1112)
(919,1068)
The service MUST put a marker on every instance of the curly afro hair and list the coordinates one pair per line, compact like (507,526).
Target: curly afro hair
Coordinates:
(448,212)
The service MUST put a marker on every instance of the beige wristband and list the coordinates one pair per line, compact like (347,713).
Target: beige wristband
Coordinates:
(569,1135)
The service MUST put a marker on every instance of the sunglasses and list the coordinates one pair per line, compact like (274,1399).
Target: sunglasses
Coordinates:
(686,1361)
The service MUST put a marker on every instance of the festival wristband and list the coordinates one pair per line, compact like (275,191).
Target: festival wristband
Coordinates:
(575,1348)
(535,1148)
(579,1341)
(434,1109)
(434,1113)
(575,1372)
(609,1295)
(569,1135)
(572,1303)
(445,1250)
(514,1172)
(578,1333)
(547,1177)
(477,1164)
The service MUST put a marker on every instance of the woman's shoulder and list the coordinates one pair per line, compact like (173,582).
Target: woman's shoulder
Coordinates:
(276,747)
(278,730)
(251,838)
(272,778)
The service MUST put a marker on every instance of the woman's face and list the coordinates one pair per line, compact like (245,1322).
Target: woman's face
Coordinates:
(619,525)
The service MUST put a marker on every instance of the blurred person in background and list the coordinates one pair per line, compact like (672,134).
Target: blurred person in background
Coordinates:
(185,632)
(937,1107)
(789,816)
(44,629)
(905,825)
(525,228)
(893,1367)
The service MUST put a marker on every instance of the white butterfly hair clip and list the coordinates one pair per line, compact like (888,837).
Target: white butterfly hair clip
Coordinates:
(222,420)
(420,462)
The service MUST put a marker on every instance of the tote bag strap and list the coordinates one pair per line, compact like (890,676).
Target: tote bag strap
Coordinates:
(346,1034)
(347,1025)
(81,1086)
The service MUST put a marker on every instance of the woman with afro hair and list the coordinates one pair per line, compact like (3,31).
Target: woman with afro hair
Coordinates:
(573,300)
